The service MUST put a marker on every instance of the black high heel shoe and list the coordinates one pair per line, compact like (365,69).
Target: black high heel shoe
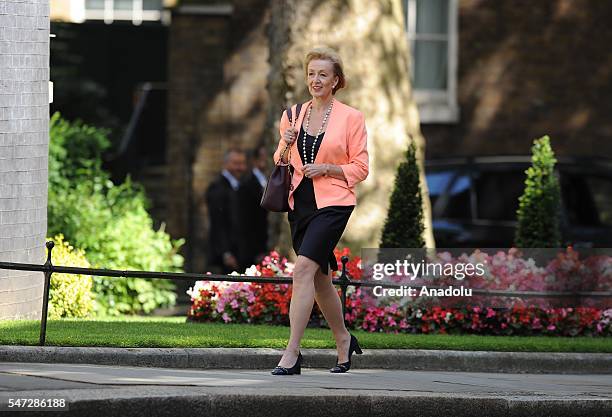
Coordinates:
(294,370)
(345,366)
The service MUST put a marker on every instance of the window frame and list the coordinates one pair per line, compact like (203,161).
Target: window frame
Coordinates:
(136,15)
(436,106)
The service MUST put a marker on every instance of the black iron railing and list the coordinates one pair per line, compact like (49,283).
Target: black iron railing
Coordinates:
(49,269)
(344,281)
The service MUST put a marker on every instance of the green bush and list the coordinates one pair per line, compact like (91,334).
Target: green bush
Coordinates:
(404,224)
(110,222)
(70,295)
(539,207)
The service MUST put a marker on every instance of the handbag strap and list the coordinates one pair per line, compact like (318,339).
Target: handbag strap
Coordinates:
(298,108)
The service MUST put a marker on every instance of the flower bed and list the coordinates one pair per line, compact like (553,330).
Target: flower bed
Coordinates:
(269,303)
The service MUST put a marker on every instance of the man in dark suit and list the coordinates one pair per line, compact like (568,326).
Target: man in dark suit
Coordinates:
(254,219)
(223,214)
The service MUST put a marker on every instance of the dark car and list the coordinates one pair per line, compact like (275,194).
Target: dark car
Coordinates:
(474,200)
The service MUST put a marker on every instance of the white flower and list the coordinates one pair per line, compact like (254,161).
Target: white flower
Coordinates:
(194,292)
(252,271)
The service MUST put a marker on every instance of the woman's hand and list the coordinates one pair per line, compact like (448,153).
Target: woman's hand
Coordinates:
(315,170)
(290,136)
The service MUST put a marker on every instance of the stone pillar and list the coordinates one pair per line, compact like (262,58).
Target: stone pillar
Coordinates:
(24,144)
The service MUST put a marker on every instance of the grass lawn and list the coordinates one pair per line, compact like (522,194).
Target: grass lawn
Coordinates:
(174,332)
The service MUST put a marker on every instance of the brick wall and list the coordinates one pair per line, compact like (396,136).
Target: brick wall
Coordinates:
(24,127)
(529,68)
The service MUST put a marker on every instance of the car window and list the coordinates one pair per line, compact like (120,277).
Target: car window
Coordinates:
(497,194)
(578,200)
(437,183)
(458,205)
(590,200)
(601,193)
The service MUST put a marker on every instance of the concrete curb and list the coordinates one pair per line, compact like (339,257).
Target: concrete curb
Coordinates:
(173,401)
(263,358)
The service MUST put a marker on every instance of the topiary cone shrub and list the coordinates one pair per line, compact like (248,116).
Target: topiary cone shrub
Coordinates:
(539,209)
(404,224)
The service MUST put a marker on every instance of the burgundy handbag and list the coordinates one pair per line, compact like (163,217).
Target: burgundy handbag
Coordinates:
(276,194)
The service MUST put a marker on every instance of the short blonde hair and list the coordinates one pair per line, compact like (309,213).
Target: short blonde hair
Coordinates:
(331,55)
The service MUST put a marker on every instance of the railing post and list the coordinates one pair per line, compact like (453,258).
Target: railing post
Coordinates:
(344,282)
(48,265)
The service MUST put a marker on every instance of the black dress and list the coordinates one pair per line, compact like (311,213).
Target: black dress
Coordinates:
(315,232)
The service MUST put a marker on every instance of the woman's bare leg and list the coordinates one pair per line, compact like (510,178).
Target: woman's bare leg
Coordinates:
(300,309)
(330,305)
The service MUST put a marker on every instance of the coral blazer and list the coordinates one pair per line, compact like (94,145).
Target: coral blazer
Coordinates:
(344,144)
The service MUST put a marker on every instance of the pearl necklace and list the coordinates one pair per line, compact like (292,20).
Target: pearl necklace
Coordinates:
(312,158)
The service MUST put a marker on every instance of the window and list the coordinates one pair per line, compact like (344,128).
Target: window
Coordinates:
(135,10)
(432,35)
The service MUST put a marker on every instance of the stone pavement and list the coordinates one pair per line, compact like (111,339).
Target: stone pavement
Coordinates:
(100,390)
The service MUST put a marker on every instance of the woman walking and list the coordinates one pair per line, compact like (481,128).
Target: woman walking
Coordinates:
(328,152)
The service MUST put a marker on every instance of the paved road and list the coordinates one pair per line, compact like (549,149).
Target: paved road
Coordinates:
(98,390)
